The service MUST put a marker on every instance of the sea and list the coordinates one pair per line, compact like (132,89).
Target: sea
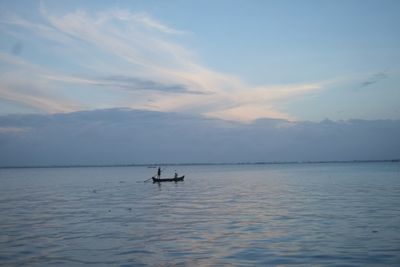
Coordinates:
(320,214)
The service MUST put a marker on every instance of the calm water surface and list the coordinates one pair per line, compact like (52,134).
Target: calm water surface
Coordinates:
(312,214)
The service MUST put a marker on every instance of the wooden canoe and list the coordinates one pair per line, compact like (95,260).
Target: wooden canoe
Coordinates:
(159,180)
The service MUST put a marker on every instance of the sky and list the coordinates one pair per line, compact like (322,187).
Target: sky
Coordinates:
(121,82)
(232,60)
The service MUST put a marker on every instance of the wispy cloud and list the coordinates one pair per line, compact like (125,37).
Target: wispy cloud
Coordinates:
(152,23)
(132,83)
(375,78)
(27,84)
(133,60)
(35,98)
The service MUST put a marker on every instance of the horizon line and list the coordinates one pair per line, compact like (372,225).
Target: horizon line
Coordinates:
(198,164)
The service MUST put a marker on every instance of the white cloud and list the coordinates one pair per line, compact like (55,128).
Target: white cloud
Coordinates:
(121,43)
(152,23)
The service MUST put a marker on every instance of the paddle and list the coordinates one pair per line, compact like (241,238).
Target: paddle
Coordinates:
(147,179)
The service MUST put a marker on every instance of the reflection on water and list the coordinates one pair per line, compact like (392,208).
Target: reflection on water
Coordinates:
(318,214)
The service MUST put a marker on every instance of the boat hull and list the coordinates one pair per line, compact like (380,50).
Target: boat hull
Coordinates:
(159,180)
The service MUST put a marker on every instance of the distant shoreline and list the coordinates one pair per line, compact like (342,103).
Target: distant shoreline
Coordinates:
(199,164)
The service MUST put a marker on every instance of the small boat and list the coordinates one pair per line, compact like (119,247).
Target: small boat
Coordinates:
(159,180)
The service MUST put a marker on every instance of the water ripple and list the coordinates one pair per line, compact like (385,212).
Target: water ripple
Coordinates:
(324,214)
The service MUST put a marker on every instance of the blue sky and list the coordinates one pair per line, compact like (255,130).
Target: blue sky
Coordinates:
(234,60)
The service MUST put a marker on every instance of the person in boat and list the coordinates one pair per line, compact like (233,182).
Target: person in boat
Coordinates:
(176,175)
(159,172)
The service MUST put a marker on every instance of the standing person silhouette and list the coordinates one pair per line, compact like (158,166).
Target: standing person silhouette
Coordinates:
(159,173)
